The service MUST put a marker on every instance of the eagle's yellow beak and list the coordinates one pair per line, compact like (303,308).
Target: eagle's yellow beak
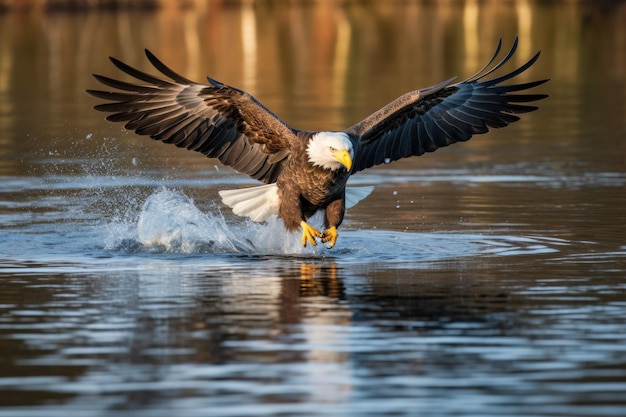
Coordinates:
(344,157)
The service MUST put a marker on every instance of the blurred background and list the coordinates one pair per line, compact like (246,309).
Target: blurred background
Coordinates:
(318,64)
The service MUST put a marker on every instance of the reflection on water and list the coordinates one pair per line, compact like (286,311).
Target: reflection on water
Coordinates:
(289,336)
(484,279)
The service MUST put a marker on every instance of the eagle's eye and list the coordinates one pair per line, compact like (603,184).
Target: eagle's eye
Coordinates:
(332,149)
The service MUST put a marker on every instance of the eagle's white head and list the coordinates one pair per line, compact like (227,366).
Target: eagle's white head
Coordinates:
(330,150)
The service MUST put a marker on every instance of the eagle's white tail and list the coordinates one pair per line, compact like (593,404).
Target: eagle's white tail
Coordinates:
(356,194)
(259,203)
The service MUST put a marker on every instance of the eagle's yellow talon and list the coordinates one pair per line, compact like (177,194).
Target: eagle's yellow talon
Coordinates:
(309,233)
(330,235)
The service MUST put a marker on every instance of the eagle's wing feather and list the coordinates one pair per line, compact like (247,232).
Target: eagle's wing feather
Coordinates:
(425,120)
(217,120)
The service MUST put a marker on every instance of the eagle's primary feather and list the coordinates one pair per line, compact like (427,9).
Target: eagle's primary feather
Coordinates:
(309,170)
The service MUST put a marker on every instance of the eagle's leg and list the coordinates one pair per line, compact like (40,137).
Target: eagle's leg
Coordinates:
(309,233)
(332,219)
(330,235)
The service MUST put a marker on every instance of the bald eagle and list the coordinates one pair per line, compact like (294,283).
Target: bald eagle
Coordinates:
(306,171)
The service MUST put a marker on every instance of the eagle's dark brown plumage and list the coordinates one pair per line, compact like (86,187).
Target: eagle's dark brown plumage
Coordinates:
(308,171)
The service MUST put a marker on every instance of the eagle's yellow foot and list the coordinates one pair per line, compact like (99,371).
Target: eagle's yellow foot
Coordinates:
(330,235)
(309,233)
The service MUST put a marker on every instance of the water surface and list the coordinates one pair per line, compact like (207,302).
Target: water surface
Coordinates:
(483,279)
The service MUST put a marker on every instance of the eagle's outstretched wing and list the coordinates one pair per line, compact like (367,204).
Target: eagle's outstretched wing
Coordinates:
(427,119)
(217,120)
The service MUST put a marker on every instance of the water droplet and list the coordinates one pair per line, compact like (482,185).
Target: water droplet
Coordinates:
(89,136)
(395,193)
(387,160)
(135,161)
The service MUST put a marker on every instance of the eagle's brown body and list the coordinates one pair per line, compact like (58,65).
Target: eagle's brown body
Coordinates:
(304,189)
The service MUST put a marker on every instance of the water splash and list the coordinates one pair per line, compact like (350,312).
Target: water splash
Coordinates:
(170,222)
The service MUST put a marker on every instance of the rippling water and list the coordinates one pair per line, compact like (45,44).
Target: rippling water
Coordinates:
(484,279)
